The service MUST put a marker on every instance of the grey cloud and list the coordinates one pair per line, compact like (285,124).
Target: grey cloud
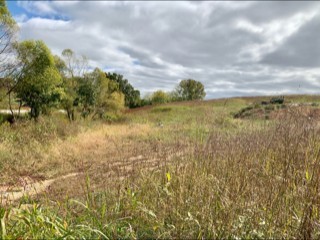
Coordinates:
(300,50)
(262,11)
(156,44)
(270,10)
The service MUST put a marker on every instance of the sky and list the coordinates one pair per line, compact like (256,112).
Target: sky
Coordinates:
(233,48)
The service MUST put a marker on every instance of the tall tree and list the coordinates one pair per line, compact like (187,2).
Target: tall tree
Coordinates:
(40,81)
(189,89)
(8,29)
(107,97)
(75,65)
(8,63)
(86,96)
(132,96)
(72,72)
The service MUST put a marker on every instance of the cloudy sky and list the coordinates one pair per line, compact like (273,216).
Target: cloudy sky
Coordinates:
(233,48)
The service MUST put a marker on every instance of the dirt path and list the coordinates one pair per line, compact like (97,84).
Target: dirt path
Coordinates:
(118,169)
(110,153)
(9,194)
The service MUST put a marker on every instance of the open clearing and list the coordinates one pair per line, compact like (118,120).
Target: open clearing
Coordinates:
(187,170)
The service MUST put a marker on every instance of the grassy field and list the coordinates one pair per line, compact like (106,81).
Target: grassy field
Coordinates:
(181,170)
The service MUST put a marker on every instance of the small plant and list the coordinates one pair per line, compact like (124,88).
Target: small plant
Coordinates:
(277,100)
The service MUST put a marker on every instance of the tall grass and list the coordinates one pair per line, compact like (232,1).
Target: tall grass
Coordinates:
(261,181)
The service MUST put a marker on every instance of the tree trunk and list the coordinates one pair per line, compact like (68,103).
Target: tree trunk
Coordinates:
(35,112)
(12,119)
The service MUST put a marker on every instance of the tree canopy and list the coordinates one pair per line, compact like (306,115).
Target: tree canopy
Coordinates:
(189,89)
(39,81)
(95,94)
(32,76)
(75,65)
(132,96)
(159,97)
(8,28)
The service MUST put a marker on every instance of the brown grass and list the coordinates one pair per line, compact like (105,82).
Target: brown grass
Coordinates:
(201,175)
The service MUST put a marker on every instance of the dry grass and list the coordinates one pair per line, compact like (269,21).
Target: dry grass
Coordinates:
(201,174)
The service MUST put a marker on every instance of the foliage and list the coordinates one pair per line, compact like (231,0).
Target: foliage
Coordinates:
(39,81)
(96,94)
(4,117)
(75,65)
(132,96)
(115,102)
(5,16)
(85,96)
(159,97)
(8,62)
(72,69)
(277,100)
(68,99)
(188,90)
(8,29)
(60,65)
(145,101)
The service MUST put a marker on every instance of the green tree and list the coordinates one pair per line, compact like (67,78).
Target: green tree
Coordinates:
(69,96)
(189,89)
(60,65)
(159,97)
(107,96)
(76,65)
(39,80)
(72,69)
(8,29)
(132,96)
(8,63)
(68,100)
(86,96)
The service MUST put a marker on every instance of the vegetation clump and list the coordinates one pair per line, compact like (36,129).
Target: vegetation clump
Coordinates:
(277,100)
(261,109)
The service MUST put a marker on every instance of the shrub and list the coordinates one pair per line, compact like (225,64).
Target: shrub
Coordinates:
(159,97)
(277,100)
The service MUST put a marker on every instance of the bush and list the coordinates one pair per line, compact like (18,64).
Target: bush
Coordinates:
(113,117)
(159,97)
(277,100)
(243,112)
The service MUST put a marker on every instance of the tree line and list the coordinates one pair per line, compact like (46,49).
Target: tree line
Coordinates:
(32,76)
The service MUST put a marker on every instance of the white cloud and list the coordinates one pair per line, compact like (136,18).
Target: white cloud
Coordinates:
(38,7)
(156,44)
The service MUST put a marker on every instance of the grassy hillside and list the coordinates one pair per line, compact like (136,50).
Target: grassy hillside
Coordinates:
(180,170)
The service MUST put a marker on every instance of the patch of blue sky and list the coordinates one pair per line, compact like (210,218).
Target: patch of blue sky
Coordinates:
(17,10)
